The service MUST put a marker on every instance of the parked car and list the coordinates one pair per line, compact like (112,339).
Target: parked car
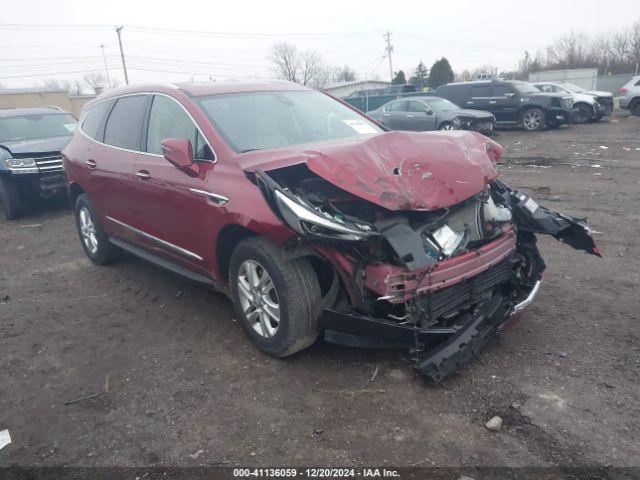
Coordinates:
(630,96)
(587,106)
(30,161)
(431,113)
(311,217)
(511,102)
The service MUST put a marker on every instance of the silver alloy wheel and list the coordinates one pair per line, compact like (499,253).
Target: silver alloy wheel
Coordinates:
(532,120)
(447,126)
(258,298)
(88,230)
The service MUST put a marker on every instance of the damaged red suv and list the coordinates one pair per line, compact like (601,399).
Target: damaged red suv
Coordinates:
(313,218)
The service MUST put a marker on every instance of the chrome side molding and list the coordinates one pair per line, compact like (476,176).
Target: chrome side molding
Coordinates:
(159,241)
(214,197)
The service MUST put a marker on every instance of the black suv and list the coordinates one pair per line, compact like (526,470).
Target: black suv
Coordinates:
(30,161)
(511,102)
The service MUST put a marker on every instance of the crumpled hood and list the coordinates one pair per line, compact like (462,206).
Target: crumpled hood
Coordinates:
(396,170)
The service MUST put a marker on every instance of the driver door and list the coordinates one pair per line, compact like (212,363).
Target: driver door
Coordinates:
(173,216)
(420,117)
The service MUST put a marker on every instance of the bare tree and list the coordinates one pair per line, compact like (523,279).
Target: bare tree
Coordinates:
(73,87)
(287,61)
(96,80)
(634,45)
(344,74)
(620,45)
(305,67)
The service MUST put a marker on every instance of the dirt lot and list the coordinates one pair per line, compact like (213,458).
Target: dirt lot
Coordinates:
(185,387)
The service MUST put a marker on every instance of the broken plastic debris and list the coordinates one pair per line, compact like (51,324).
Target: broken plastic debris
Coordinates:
(603,147)
(197,454)
(5,439)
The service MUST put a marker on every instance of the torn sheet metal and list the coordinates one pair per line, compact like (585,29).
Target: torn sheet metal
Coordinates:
(5,439)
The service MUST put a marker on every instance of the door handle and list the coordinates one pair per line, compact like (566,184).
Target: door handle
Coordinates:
(469,103)
(91,163)
(492,101)
(386,114)
(143,175)
(409,115)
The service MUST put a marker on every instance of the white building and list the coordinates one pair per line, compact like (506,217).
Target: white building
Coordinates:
(344,89)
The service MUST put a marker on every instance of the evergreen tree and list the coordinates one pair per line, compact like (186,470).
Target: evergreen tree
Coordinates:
(440,73)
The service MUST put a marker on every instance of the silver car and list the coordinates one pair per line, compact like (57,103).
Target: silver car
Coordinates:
(630,96)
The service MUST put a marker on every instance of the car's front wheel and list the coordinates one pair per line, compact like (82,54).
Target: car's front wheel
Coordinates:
(584,113)
(446,126)
(275,299)
(533,119)
(94,239)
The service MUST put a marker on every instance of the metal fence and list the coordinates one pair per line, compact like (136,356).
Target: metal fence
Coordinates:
(371,102)
(612,83)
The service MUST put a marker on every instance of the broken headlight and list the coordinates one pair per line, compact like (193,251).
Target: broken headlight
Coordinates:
(307,220)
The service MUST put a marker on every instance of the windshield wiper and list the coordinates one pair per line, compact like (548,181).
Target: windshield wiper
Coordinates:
(250,150)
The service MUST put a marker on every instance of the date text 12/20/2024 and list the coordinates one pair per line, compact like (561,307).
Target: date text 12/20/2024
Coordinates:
(316,473)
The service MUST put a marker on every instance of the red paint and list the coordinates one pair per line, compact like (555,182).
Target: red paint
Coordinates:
(434,170)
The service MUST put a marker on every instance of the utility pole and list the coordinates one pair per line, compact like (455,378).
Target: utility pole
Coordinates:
(124,65)
(389,49)
(106,69)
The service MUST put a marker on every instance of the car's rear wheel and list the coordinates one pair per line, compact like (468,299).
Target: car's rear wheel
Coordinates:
(275,299)
(634,107)
(584,113)
(94,239)
(533,119)
(11,199)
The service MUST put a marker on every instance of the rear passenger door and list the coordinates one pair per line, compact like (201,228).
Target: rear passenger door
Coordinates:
(505,102)
(111,164)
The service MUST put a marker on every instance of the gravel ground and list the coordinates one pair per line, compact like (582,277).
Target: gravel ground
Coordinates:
(183,385)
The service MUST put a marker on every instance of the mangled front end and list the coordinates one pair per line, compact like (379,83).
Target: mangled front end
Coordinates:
(438,280)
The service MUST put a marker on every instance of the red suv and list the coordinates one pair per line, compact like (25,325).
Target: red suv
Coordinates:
(311,216)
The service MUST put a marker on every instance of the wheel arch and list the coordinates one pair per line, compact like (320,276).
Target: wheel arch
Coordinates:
(75,190)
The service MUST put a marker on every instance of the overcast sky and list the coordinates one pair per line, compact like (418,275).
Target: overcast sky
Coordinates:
(60,39)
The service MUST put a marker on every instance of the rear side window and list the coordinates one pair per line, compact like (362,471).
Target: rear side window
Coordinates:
(124,125)
(481,91)
(93,121)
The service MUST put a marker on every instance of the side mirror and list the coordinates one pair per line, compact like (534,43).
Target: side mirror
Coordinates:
(177,151)
(428,111)
(509,94)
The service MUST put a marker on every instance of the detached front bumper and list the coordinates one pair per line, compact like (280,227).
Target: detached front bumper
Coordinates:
(558,116)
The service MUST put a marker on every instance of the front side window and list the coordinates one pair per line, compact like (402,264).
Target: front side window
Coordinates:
(168,119)
(441,104)
(124,125)
(417,107)
(400,106)
(524,87)
(263,120)
(31,127)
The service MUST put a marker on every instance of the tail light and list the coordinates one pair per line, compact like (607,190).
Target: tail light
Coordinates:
(622,91)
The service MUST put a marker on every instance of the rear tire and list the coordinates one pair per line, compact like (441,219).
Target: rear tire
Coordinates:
(634,107)
(532,119)
(93,238)
(11,199)
(276,300)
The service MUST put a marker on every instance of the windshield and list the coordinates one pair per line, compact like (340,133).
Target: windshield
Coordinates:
(441,104)
(524,87)
(573,88)
(31,127)
(261,120)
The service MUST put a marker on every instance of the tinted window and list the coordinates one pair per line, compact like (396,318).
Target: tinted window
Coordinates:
(481,91)
(124,125)
(93,121)
(400,106)
(545,88)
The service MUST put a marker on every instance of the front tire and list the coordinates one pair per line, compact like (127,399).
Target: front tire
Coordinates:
(584,113)
(446,126)
(93,238)
(11,199)
(533,119)
(276,300)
